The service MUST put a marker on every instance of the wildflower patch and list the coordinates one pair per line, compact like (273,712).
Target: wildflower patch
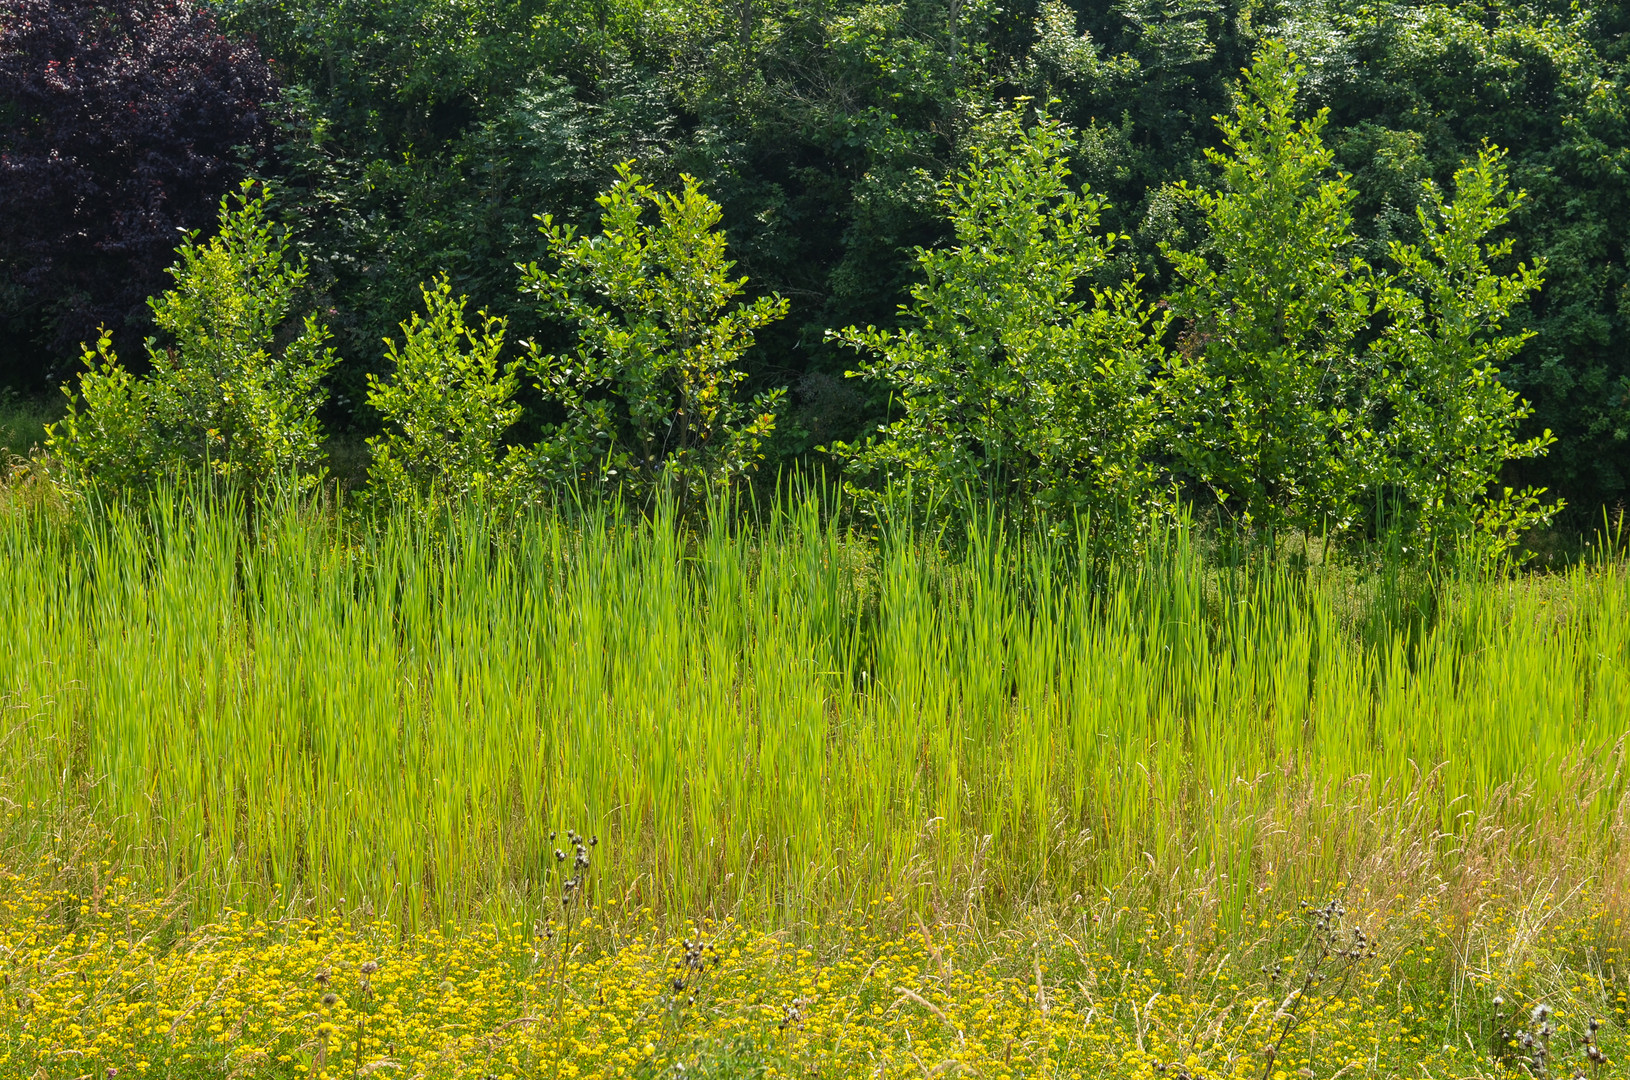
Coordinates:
(105,985)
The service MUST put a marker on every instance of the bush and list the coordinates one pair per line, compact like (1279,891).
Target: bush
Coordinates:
(223,395)
(1450,426)
(120,122)
(650,393)
(1266,388)
(1011,380)
(446,406)
(1310,390)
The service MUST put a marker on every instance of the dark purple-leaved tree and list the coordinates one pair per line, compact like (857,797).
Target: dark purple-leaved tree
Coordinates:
(122,122)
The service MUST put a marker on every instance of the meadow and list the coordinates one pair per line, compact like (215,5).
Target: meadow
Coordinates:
(344,733)
(1029,769)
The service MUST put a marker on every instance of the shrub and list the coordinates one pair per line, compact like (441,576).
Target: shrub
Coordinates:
(446,405)
(223,394)
(1451,426)
(1266,389)
(1310,390)
(120,122)
(1010,378)
(649,395)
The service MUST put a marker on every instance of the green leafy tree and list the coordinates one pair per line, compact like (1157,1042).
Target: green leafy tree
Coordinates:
(1267,389)
(1451,425)
(446,404)
(1415,98)
(420,135)
(223,393)
(650,393)
(1010,376)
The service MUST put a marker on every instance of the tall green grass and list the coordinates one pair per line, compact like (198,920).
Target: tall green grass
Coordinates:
(777,717)
(22,424)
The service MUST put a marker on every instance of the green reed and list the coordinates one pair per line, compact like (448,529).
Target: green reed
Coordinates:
(766,713)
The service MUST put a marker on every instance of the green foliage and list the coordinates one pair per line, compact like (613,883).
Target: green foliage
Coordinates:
(1010,379)
(1414,97)
(1451,424)
(421,135)
(224,392)
(1310,390)
(22,424)
(650,393)
(1061,58)
(446,405)
(1267,387)
(106,435)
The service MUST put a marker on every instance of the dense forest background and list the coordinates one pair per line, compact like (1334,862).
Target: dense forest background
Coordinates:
(409,138)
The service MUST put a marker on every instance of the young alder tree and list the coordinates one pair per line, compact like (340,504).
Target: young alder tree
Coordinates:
(650,393)
(1267,389)
(1312,391)
(223,394)
(1450,425)
(1009,375)
(446,404)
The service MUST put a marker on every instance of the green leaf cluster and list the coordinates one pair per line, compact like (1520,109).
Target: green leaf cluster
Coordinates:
(650,393)
(1266,385)
(1449,425)
(1012,377)
(235,384)
(1299,385)
(446,404)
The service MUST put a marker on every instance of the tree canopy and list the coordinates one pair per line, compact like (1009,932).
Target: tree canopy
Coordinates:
(419,138)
